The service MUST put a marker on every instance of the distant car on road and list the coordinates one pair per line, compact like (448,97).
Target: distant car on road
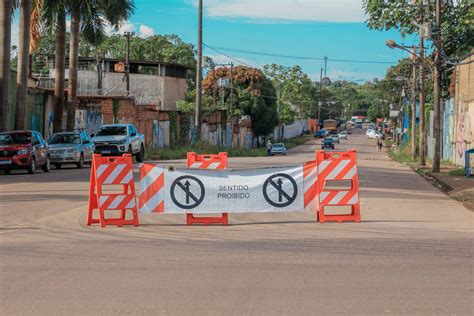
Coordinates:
(71,148)
(278,149)
(342,135)
(119,139)
(335,138)
(321,133)
(327,143)
(349,131)
(23,150)
(372,134)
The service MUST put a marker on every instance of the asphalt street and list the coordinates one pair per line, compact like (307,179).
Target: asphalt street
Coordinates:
(411,254)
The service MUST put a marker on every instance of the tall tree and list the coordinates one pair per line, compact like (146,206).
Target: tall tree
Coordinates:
(23,63)
(5,43)
(88,17)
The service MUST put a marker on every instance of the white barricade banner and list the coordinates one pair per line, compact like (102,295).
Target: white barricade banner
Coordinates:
(276,189)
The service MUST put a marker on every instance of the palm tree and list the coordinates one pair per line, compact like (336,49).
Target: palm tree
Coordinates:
(5,42)
(89,17)
(23,64)
(53,19)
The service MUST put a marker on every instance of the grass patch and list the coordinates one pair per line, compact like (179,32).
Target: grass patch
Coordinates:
(201,148)
(402,155)
(459,172)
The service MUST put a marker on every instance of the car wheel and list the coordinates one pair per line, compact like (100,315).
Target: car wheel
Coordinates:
(141,154)
(7,171)
(284,154)
(47,165)
(57,165)
(32,167)
(80,164)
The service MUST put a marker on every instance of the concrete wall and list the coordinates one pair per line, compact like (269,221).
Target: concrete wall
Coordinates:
(174,90)
(147,89)
(457,118)
(292,130)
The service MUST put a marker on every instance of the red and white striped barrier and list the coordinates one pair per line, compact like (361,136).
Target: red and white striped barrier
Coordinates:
(115,171)
(338,166)
(214,162)
(151,197)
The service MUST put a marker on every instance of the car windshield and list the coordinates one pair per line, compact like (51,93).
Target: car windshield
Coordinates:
(65,139)
(277,145)
(10,139)
(112,130)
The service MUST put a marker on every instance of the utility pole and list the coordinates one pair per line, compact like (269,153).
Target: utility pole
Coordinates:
(422,89)
(325,66)
(413,106)
(197,115)
(128,35)
(437,90)
(231,88)
(320,96)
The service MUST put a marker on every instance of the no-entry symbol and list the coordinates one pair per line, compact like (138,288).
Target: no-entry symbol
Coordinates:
(285,188)
(187,192)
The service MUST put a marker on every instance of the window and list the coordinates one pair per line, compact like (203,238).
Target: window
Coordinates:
(65,139)
(112,130)
(20,138)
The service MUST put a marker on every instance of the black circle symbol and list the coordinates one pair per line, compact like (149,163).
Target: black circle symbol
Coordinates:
(184,183)
(284,198)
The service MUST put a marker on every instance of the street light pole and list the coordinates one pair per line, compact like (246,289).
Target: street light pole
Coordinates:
(436,91)
(197,115)
(422,91)
(320,96)
(413,112)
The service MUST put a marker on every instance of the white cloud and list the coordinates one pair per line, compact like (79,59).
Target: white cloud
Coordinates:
(142,30)
(126,27)
(146,31)
(287,10)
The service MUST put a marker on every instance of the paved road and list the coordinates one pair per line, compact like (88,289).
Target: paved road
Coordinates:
(412,254)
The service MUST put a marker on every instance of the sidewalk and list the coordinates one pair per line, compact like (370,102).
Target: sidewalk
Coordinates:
(459,188)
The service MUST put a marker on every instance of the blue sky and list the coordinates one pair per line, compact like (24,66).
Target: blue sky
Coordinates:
(312,28)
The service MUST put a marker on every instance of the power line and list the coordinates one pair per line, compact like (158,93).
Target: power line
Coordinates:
(299,57)
(228,56)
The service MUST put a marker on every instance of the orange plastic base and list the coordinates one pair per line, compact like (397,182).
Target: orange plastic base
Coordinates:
(223,220)
(339,218)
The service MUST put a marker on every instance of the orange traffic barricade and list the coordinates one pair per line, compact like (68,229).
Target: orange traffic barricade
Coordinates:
(338,167)
(113,172)
(216,162)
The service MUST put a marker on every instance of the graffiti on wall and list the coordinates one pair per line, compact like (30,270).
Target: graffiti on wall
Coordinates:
(88,120)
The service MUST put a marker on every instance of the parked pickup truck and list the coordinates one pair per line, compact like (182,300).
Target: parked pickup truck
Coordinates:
(119,139)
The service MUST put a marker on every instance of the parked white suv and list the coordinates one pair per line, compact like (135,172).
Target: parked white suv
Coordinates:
(119,139)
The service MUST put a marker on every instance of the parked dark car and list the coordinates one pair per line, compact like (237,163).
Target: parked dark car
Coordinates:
(327,143)
(23,150)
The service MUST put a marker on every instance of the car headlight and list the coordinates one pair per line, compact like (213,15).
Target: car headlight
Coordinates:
(122,142)
(22,151)
(70,150)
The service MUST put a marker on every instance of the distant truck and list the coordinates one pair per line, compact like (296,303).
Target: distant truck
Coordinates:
(119,139)
(330,125)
